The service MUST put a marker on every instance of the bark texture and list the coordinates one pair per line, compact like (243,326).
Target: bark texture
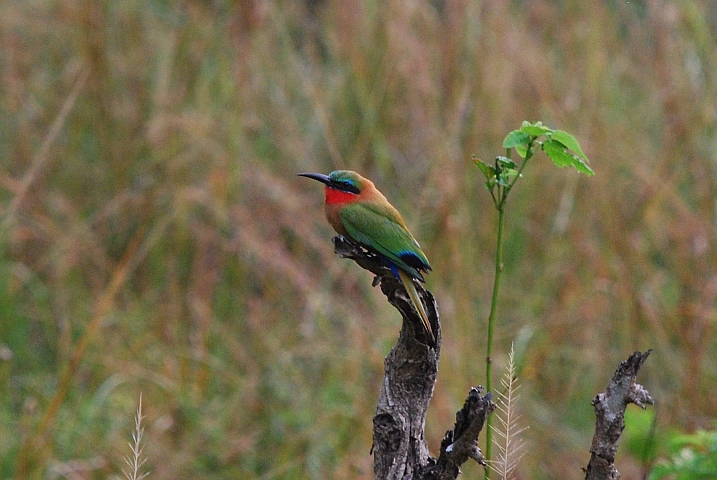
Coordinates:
(399,447)
(610,416)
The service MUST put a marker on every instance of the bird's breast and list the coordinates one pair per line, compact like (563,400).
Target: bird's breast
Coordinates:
(332,215)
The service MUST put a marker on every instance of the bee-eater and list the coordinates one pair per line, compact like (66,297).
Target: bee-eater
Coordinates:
(358,211)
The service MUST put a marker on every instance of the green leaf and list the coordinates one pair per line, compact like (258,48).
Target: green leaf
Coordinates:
(522,150)
(582,167)
(505,162)
(560,156)
(535,129)
(515,139)
(487,170)
(490,184)
(510,172)
(569,141)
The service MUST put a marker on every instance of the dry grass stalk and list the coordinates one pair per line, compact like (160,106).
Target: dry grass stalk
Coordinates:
(511,447)
(135,461)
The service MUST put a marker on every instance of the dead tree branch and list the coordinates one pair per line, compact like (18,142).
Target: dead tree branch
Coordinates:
(399,447)
(610,416)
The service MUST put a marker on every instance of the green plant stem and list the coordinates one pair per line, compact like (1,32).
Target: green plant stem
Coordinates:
(500,206)
(491,328)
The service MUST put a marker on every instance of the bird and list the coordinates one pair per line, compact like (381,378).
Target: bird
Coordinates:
(357,210)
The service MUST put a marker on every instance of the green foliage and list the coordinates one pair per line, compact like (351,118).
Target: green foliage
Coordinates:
(561,147)
(500,179)
(640,437)
(692,457)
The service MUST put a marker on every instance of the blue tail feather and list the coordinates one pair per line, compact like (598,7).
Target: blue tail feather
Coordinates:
(389,264)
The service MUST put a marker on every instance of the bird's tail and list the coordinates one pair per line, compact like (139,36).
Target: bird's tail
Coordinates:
(413,295)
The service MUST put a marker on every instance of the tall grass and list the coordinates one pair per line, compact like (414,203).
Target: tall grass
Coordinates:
(155,238)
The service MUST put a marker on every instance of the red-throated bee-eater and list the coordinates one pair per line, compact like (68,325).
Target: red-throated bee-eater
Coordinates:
(358,211)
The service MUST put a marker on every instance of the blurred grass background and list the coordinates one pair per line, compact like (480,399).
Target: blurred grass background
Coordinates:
(155,237)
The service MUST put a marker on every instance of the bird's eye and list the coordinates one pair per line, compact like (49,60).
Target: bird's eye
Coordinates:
(347,186)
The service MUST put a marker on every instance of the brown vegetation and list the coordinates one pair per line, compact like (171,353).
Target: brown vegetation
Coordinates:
(155,237)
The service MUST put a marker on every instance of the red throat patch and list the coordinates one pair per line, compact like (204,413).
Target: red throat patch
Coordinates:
(334,196)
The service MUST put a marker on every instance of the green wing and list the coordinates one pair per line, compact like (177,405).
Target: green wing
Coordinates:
(370,225)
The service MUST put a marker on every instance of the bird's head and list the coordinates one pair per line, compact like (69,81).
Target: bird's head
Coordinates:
(344,181)
(344,187)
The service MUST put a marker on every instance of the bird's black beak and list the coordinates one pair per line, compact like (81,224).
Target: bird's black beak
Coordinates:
(319,177)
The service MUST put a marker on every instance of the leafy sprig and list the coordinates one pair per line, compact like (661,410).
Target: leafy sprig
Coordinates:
(500,177)
(561,147)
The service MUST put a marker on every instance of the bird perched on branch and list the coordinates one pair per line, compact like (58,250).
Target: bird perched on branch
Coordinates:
(358,211)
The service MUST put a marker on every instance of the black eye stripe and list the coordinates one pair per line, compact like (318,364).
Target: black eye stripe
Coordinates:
(347,186)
